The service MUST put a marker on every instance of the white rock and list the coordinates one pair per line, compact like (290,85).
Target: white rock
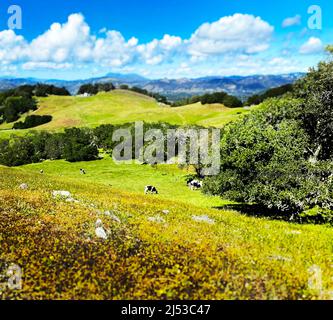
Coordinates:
(100,233)
(203,219)
(99,223)
(72,200)
(156,219)
(61,194)
(24,186)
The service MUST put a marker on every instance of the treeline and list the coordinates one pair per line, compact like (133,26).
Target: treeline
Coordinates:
(158,97)
(271,93)
(281,156)
(232,101)
(44,90)
(74,144)
(15,102)
(93,89)
(210,98)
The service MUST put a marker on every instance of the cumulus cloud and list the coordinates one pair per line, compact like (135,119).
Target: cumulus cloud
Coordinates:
(12,46)
(72,43)
(292,21)
(313,45)
(231,42)
(157,51)
(238,33)
(114,50)
(63,42)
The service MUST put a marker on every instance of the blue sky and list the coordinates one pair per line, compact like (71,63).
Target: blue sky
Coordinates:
(71,39)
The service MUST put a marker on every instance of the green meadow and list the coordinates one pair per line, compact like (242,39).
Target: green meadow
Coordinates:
(119,107)
(158,247)
(129,177)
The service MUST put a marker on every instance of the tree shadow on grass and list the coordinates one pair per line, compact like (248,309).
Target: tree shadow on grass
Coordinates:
(255,210)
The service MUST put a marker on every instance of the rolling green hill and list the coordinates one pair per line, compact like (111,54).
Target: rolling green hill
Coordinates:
(122,106)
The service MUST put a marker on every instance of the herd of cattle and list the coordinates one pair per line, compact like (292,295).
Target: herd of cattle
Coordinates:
(193,184)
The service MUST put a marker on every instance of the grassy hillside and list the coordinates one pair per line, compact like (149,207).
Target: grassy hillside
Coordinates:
(168,179)
(189,253)
(124,106)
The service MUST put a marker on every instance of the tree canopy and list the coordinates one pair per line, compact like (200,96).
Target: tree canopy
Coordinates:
(211,98)
(93,89)
(281,156)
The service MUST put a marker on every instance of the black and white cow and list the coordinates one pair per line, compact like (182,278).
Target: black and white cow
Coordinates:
(82,171)
(151,190)
(194,184)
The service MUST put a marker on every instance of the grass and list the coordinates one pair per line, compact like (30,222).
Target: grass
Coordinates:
(170,256)
(120,107)
(168,179)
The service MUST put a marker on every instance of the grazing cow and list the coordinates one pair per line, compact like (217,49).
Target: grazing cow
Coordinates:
(195,184)
(41,171)
(82,171)
(151,190)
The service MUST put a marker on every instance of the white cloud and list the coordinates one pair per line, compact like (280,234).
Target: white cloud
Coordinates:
(72,42)
(7,69)
(114,50)
(292,21)
(278,61)
(232,44)
(63,42)
(237,33)
(12,46)
(313,45)
(170,42)
(45,65)
(158,51)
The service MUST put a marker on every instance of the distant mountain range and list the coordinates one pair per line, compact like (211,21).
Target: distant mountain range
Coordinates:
(174,89)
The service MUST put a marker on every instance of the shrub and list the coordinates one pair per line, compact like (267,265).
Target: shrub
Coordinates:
(32,121)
